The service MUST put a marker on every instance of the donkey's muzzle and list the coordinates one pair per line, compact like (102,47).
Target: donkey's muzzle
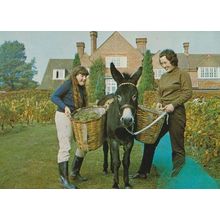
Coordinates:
(127,118)
(127,122)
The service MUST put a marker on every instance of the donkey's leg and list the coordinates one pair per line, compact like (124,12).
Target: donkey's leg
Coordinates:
(111,162)
(126,164)
(105,152)
(116,162)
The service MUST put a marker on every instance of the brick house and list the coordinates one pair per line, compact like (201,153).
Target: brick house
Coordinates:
(115,49)
(204,69)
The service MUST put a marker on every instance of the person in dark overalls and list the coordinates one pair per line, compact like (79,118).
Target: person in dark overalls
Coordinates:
(174,89)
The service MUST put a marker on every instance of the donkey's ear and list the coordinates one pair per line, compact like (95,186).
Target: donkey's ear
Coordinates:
(117,76)
(135,77)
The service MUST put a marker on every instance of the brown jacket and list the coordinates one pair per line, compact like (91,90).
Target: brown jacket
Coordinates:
(175,88)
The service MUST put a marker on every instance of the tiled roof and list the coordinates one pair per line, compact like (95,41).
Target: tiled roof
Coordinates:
(47,82)
(210,61)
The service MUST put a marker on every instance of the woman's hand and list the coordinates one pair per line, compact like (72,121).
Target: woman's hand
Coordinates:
(168,108)
(67,112)
(159,107)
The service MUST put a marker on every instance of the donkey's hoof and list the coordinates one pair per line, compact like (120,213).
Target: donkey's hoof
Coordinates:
(115,186)
(128,186)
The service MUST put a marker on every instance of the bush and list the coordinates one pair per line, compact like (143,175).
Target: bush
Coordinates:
(203,124)
(96,80)
(203,127)
(25,107)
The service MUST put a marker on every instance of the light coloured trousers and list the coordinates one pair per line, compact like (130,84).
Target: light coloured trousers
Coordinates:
(65,136)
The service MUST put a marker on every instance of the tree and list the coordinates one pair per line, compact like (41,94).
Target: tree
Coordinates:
(76,60)
(147,79)
(97,80)
(15,72)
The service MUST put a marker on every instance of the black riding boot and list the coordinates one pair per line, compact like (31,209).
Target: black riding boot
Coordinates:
(177,166)
(63,170)
(76,166)
(146,163)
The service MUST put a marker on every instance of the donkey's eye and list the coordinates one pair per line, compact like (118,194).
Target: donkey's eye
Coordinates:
(119,98)
(134,97)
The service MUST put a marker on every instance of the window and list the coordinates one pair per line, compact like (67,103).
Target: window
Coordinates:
(59,74)
(158,73)
(208,72)
(110,86)
(120,62)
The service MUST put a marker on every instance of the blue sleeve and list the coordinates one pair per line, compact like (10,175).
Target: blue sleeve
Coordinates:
(56,97)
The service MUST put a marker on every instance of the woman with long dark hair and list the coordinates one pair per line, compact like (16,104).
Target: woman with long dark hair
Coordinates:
(70,96)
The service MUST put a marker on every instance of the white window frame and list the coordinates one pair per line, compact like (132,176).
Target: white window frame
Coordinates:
(110,86)
(158,73)
(59,74)
(209,73)
(119,61)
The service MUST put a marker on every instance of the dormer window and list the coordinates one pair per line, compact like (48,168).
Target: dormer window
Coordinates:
(119,61)
(208,72)
(59,74)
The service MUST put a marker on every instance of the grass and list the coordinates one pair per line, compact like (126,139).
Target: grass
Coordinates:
(29,161)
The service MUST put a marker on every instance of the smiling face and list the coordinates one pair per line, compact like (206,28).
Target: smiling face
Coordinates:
(165,63)
(81,79)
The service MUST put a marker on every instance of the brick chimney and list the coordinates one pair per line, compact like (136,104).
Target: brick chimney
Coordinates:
(93,35)
(186,48)
(141,44)
(80,48)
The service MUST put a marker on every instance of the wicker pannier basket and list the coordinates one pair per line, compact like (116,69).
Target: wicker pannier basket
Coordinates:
(145,117)
(89,134)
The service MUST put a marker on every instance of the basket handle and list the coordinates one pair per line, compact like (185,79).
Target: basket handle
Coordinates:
(148,126)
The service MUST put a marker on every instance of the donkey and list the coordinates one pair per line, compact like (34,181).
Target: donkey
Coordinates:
(121,114)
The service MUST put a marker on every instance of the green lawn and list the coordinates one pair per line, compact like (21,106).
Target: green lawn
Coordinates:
(28,161)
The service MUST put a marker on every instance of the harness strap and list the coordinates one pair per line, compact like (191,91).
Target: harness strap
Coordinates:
(126,106)
(127,83)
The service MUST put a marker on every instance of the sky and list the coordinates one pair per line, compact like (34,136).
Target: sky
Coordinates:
(45,45)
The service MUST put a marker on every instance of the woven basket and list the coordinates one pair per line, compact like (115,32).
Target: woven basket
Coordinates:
(146,116)
(89,135)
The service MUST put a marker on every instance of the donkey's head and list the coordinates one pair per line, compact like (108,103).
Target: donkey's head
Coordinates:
(126,94)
